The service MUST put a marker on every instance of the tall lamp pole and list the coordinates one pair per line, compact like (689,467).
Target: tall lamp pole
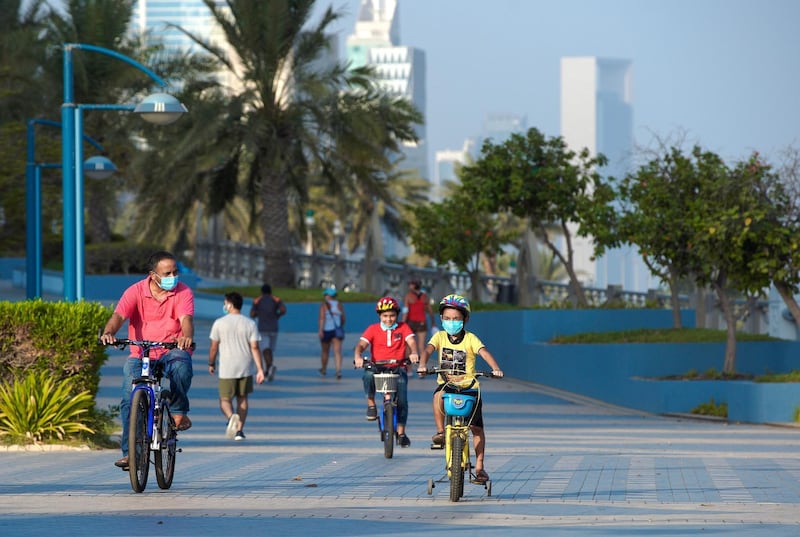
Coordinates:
(159,108)
(33,203)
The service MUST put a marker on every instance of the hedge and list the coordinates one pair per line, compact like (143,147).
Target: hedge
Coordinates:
(59,338)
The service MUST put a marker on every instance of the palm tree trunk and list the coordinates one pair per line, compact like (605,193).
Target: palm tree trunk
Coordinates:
(278,258)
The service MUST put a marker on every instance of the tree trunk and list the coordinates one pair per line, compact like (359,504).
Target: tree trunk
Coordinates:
(788,299)
(675,300)
(278,266)
(729,366)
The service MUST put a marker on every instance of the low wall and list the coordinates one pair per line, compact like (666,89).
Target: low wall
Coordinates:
(623,374)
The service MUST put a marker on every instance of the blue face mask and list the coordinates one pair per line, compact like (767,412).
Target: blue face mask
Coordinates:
(453,327)
(168,283)
(224,309)
(387,328)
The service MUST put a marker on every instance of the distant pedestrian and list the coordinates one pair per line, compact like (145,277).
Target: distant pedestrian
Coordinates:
(417,310)
(330,322)
(268,308)
(234,342)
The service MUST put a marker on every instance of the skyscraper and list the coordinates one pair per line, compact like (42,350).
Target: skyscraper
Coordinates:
(157,17)
(597,113)
(400,70)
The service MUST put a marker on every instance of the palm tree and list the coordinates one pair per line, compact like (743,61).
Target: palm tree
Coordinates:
(290,105)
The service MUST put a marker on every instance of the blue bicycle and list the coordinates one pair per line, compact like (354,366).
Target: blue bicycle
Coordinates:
(151,427)
(386,383)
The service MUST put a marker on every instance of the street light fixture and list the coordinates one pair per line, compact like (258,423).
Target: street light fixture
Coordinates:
(159,108)
(33,203)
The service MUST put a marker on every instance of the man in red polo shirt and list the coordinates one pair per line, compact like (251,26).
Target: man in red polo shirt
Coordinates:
(158,308)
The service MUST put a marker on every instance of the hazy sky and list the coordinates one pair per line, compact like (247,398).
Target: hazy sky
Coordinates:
(724,71)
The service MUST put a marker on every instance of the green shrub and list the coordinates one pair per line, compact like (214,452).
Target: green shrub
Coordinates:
(36,408)
(712,409)
(58,338)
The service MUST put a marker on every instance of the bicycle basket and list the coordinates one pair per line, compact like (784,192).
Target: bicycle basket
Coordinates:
(386,382)
(459,404)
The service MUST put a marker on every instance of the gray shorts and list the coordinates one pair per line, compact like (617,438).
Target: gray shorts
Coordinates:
(268,340)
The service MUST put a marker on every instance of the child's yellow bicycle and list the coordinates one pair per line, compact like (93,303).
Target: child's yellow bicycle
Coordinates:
(459,403)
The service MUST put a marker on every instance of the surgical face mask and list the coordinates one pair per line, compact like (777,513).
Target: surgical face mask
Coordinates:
(388,327)
(225,308)
(167,283)
(453,327)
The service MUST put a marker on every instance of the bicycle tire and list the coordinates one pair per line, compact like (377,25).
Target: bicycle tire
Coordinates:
(456,469)
(139,441)
(388,429)
(165,458)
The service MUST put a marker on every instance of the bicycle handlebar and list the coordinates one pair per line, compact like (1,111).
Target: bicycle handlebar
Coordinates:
(122,343)
(369,362)
(436,370)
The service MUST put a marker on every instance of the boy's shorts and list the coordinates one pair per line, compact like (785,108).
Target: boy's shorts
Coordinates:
(230,388)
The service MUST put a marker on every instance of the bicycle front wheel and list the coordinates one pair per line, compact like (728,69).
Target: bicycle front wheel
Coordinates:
(139,441)
(165,458)
(456,468)
(388,429)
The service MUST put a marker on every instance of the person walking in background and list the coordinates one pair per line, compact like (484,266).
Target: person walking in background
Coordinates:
(268,309)
(331,331)
(417,310)
(390,341)
(234,342)
(158,308)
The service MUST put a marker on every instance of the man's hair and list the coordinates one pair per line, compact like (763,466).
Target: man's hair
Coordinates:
(235,299)
(157,258)
(266,289)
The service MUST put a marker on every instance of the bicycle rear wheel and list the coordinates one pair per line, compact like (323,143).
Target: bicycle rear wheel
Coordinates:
(139,441)
(388,429)
(165,458)
(456,470)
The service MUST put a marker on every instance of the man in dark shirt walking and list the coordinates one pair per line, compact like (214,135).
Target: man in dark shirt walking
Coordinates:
(267,309)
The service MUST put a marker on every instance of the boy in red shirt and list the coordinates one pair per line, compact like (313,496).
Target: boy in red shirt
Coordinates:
(389,341)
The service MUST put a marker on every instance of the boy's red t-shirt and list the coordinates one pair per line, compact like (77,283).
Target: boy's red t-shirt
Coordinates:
(387,344)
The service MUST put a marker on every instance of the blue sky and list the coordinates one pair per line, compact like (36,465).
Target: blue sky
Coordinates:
(725,72)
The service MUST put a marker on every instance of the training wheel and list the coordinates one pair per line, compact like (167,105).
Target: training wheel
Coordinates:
(431,484)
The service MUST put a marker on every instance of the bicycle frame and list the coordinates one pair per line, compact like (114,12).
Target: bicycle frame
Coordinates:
(458,407)
(152,386)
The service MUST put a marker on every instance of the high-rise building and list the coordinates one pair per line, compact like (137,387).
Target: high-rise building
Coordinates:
(597,114)
(400,70)
(159,17)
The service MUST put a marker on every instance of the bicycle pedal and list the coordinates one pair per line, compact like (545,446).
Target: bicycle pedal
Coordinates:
(437,446)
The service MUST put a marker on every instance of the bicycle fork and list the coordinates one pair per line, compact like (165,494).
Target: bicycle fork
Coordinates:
(387,400)
(457,428)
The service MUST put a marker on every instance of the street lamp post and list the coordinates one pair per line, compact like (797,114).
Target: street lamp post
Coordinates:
(337,237)
(159,108)
(309,222)
(33,203)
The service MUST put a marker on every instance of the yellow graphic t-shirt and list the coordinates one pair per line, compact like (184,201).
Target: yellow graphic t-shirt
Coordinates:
(459,357)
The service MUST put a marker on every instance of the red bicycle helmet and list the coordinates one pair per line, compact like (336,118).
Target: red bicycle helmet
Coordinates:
(387,303)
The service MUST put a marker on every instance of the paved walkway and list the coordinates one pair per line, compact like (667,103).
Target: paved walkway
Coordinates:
(559,465)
